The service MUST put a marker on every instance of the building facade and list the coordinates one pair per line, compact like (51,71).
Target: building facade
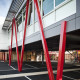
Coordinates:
(53,13)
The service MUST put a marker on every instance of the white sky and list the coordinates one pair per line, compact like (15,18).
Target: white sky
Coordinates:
(4,7)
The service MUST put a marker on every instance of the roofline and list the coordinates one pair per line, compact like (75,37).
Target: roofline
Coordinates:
(18,11)
(15,14)
(7,14)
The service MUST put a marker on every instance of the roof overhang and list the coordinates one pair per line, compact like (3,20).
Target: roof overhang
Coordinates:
(15,8)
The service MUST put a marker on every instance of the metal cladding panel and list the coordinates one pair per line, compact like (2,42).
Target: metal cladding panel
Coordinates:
(77,8)
(78,23)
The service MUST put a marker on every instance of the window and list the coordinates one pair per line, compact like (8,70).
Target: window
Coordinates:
(57,2)
(20,20)
(48,5)
(30,14)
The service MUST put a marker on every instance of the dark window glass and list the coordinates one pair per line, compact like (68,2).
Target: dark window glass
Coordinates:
(30,15)
(59,1)
(48,5)
(20,20)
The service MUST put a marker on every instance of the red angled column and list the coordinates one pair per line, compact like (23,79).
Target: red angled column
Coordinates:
(22,52)
(10,48)
(16,45)
(62,45)
(44,43)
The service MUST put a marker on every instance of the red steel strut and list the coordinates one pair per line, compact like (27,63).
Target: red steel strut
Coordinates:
(61,51)
(22,52)
(26,20)
(10,48)
(45,47)
(16,44)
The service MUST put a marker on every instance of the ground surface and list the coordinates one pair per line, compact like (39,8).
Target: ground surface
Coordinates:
(36,71)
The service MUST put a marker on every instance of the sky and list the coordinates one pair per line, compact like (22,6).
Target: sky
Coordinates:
(4,7)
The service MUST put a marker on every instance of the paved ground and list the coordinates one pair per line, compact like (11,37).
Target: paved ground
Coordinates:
(36,71)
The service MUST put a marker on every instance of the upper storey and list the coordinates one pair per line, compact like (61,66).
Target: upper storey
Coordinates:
(57,9)
(52,11)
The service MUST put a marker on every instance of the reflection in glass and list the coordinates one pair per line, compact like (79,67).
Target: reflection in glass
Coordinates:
(48,5)
(58,2)
(30,14)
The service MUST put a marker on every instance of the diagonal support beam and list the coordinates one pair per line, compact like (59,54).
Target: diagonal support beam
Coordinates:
(44,43)
(10,48)
(16,45)
(22,52)
(61,51)
(26,20)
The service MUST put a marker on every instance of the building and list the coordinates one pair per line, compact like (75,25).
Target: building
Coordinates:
(53,13)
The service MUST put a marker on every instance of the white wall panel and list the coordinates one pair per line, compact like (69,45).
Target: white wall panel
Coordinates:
(49,19)
(66,10)
(4,46)
(3,39)
(30,30)
(36,26)
(20,35)
(20,27)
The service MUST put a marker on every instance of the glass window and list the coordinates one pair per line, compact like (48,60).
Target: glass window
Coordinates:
(20,20)
(58,2)
(30,14)
(48,5)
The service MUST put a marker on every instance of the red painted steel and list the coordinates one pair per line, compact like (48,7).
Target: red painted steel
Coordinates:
(16,45)
(49,67)
(10,48)
(22,52)
(61,51)
(4,56)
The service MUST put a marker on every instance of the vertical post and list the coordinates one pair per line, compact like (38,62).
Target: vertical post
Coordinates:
(48,63)
(26,19)
(61,51)
(4,56)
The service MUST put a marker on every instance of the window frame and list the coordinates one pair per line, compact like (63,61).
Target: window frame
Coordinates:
(56,7)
